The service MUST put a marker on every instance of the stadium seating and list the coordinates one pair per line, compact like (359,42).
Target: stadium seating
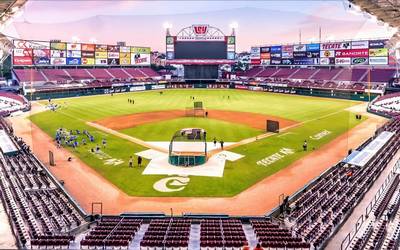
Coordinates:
(10,103)
(29,75)
(387,105)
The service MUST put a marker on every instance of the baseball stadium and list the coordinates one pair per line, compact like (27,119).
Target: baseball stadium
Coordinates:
(247,125)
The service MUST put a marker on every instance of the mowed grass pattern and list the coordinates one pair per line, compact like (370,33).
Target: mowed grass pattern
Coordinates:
(317,114)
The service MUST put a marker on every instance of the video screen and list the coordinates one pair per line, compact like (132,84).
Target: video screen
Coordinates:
(201,50)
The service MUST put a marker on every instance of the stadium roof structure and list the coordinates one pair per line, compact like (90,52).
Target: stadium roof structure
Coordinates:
(387,11)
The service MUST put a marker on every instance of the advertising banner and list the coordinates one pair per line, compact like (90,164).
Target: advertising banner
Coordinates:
(311,54)
(101,54)
(58,46)
(101,48)
(276,61)
(377,44)
(359,61)
(231,47)
(140,50)
(352,53)
(276,55)
(287,61)
(313,47)
(276,49)
(73,46)
(23,52)
(343,61)
(101,61)
(300,47)
(255,52)
(87,54)
(231,40)
(265,62)
(74,54)
(22,60)
(58,53)
(327,53)
(359,44)
(112,48)
(305,61)
(113,61)
(73,61)
(230,55)
(125,49)
(255,61)
(41,56)
(88,47)
(170,47)
(378,60)
(326,61)
(113,55)
(336,45)
(41,60)
(299,54)
(170,55)
(378,52)
(140,59)
(23,44)
(265,55)
(265,50)
(124,55)
(288,54)
(87,61)
(287,48)
(58,61)
(125,61)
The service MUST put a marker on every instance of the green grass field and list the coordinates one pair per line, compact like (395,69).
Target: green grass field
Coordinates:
(317,115)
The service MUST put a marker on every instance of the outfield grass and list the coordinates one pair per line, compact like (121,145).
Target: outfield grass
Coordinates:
(317,114)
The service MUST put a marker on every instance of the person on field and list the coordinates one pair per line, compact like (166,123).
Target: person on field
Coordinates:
(97,148)
(104,143)
(130,162)
(305,145)
(139,161)
(222,144)
(215,142)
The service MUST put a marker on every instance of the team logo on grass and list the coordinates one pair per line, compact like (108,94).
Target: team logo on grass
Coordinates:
(171,184)
(282,153)
(320,135)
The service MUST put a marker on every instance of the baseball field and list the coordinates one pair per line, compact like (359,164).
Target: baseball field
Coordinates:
(234,116)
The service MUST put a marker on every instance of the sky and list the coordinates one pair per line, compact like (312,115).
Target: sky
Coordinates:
(140,23)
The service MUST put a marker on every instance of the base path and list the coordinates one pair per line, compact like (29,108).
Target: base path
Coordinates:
(87,186)
(257,121)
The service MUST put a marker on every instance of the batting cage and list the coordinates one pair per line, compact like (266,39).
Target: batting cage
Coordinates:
(188,147)
(197,110)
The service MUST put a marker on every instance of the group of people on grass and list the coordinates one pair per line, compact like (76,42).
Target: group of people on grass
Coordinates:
(131,160)
(71,138)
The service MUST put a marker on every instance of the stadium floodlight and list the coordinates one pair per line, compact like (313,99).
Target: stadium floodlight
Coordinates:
(234,25)
(167,26)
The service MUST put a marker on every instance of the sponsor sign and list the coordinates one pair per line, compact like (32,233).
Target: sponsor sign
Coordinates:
(23,52)
(74,53)
(352,53)
(377,44)
(22,60)
(41,60)
(41,52)
(343,61)
(300,47)
(255,61)
(102,54)
(88,47)
(58,46)
(287,48)
(170,40)
(170,55)
(125,61)
(58,61)
(287,54)
(230,55)
(287,61)
(124,55)
(265,50)
(325,61)
(113,48)
(255,52)
(334,46)
(101,48)
(311,54)
(313,47)
(265,55)
(170,47)
(276,61)
(125,49)
(378,60)
(58,53)
(87,61)
(281,154)
(41,56)
(231,47)
(137,88)
(73,46)
(327,53)
(113,55)
(276,49)
(140,59)
(87,54)
(73,61)
(378,52)
(101,61)
(276,55)
(22,44)
(359,61)
(231,40)
(113,61)
(140,50)
(359,45)
(320,135)
(299,54)
(305,61)
(265,62)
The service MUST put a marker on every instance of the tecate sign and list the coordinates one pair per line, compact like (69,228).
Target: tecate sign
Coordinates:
(329,46)
(343,61)
(352,53)
(378,60)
